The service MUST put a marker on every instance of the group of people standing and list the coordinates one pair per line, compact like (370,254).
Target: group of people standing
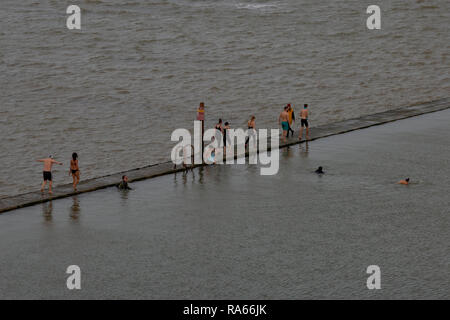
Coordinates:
(287,119)
(222,131)
(74,171)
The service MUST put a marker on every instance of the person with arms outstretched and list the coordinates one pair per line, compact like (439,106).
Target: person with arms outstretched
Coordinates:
(48,164)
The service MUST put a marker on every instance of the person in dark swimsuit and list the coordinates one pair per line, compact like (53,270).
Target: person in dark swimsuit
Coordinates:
(123,185)
(74,170)
(225,134)
(319,170)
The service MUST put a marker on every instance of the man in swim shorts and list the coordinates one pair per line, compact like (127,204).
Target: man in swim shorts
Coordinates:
(284,121)
(48,164)
(304,122)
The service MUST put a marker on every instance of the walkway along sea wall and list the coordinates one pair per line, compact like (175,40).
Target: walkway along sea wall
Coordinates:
(64,191)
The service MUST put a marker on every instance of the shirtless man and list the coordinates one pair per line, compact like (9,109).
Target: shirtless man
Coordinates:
(48,163)
(284,121)
(304,122)
(251,126)
(404,182)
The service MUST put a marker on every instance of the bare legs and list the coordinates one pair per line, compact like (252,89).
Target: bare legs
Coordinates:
(285,132)
(43,185)
(50,184)
(76,179)
(301,133)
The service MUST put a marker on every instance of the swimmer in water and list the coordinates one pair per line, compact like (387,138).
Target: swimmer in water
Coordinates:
(404,182)
(123,185)
(319,170)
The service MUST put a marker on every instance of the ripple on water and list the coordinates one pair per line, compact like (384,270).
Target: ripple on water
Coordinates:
(134,73)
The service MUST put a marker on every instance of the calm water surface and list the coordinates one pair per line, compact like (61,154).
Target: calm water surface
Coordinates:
(226,232)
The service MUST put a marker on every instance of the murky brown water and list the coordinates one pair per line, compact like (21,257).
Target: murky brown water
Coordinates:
(114,91)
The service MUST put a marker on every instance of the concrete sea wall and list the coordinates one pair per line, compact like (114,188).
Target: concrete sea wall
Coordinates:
(63,191)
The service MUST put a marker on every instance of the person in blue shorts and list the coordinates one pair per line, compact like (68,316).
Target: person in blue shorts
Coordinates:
(284,121)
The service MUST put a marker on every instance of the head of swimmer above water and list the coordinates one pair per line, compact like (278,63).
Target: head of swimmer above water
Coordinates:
(124,178)
(406,181)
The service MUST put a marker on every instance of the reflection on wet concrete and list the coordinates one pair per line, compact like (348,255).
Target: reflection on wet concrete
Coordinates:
(124,194)
(196,174)
(75,209)
(286,152)
(200,175)
(47,211)
(304,149)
